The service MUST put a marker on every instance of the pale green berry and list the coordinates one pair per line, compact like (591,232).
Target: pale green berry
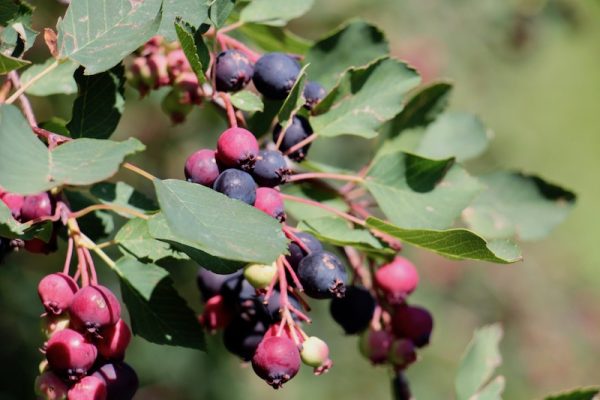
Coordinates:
(315,352)
(260,275)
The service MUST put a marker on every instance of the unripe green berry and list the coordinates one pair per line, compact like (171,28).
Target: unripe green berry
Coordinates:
(260,275)
(315,352)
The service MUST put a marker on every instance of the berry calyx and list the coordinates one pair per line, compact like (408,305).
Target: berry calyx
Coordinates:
(322,275)
(236,184)
(275,75)
(270,202)
(88,388)
(48,386)
(260,275)
(299,130)
(315,353)
(397,279)
(68,352)
(276,360)
(233,71)
(354,311)
(375,345)
(114,340)
(237,148)
(313,94)
(120,379)
(414,323)
(56,292)
(270,169)
(201,167)
(93,308)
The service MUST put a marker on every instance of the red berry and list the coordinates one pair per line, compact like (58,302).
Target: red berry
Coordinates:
(276,360)
(216,314)
(177,63)
(93,308)
(270,202)
(414,323)
(68,352)
(114,341)
(14,202)
(56,292)
(158,68)
(49,386)
(201,167)
(36,206)
(402,353)
(237,147)
(89,388)
(397,279)
(287,332)
(375,345)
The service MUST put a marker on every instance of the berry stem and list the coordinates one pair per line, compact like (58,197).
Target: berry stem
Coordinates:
(25,104)
(33,80)
(360,273)
(293,275)
(230,27)
(91,266)
(139,171)
(300,144)
(287,230)
(69,256)
(400,387)
(324,175)
(230,110)
(236,44)
(112,207)
(81,266)
(332,210)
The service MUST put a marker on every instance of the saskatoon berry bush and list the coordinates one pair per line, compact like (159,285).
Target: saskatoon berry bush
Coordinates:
(272,232)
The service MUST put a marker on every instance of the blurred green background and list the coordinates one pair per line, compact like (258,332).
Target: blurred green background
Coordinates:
(531,70)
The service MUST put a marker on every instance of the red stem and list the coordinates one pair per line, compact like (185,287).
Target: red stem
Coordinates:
(230,110)
(91,266)
(288,232)
(236,44)
(323,175)
(300,144)
(293,275)
(69,256)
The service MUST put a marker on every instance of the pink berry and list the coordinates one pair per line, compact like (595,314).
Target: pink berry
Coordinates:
(276,360)
(70,353)
(114,341)
(48,386)
(414,323)
(88,388)
(270,202)
(402,353)
(56,292)
(188,88)
(93,308)
(177,63)
(201,167)
(375,345)
(36,206)
(237,147)
(14,202)
(216,314)
(397,279)
(158,68)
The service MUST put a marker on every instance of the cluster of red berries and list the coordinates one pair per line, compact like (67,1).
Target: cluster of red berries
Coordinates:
(86,343)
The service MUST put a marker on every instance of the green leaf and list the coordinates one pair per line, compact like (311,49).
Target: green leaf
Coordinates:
(122,194)
(294,100)
(246,100)
(456,244)
(417,193)
(237,232)
(454,134)
(8,63)
(134,238)
(577,394)
(8,9)
(365,99)
(56,125)
(479,363)
(194,11)
(354,44)
(58,81)
(302,211)
(276,13)
(517,204)
(159,229)
(17,36)
(98,34)
(492,391)
(158,313)
(219,11)
(261,122)
(422,108)
(194,48)
(12,229)
(99,105)
(272,38)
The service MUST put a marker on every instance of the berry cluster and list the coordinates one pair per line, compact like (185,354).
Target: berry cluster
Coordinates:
(86,343)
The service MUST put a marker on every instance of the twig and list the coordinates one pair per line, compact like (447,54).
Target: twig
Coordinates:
(33,80)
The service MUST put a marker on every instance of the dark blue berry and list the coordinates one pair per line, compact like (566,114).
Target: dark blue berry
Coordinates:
(241,296)
(210,283)
(313,94)
(270,168)
(275,74)
(297,132)
(233,71)
(241,337)
(237,185)
(355,310)
(274,305)
(322,275)
(297,253)
(121,380)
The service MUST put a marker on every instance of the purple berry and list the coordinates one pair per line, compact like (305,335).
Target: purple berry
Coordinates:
(210,283)
(36,206)
(93,308)
(88,388)
(297,253)
(201,167)
(276,360)
(68,352)
(270,202)
(56,292)
(120,379)
(402,353)
(375,345)
(242,337)
(297,132)
(275,74)
(114,340)
(313,94)
(270,169)
(322,275)
(237,185)
(233,71)
(237,148)
(414,323)
(354,311)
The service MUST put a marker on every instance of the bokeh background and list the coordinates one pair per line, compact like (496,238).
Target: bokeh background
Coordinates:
(531,70)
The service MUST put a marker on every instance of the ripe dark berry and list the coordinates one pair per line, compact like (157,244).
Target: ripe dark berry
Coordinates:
(274,306)
(242,337)
(297,132)
(68,352)
(375,345)
(14,202)
(241,296)
(237,185)
(355,310)
(233,71)
(322,275)
(201,167)
(270,169)
(88,388)
(114,340)
(38,246)
(93,308)
(36,206)
(402,353)
(237,148)
(297,253)
(120,379)
(275,74)
(397,279)
(414,323)
(49,386)
(276,360)
(210,283)
(313,94)
(270,202)
(56,292)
